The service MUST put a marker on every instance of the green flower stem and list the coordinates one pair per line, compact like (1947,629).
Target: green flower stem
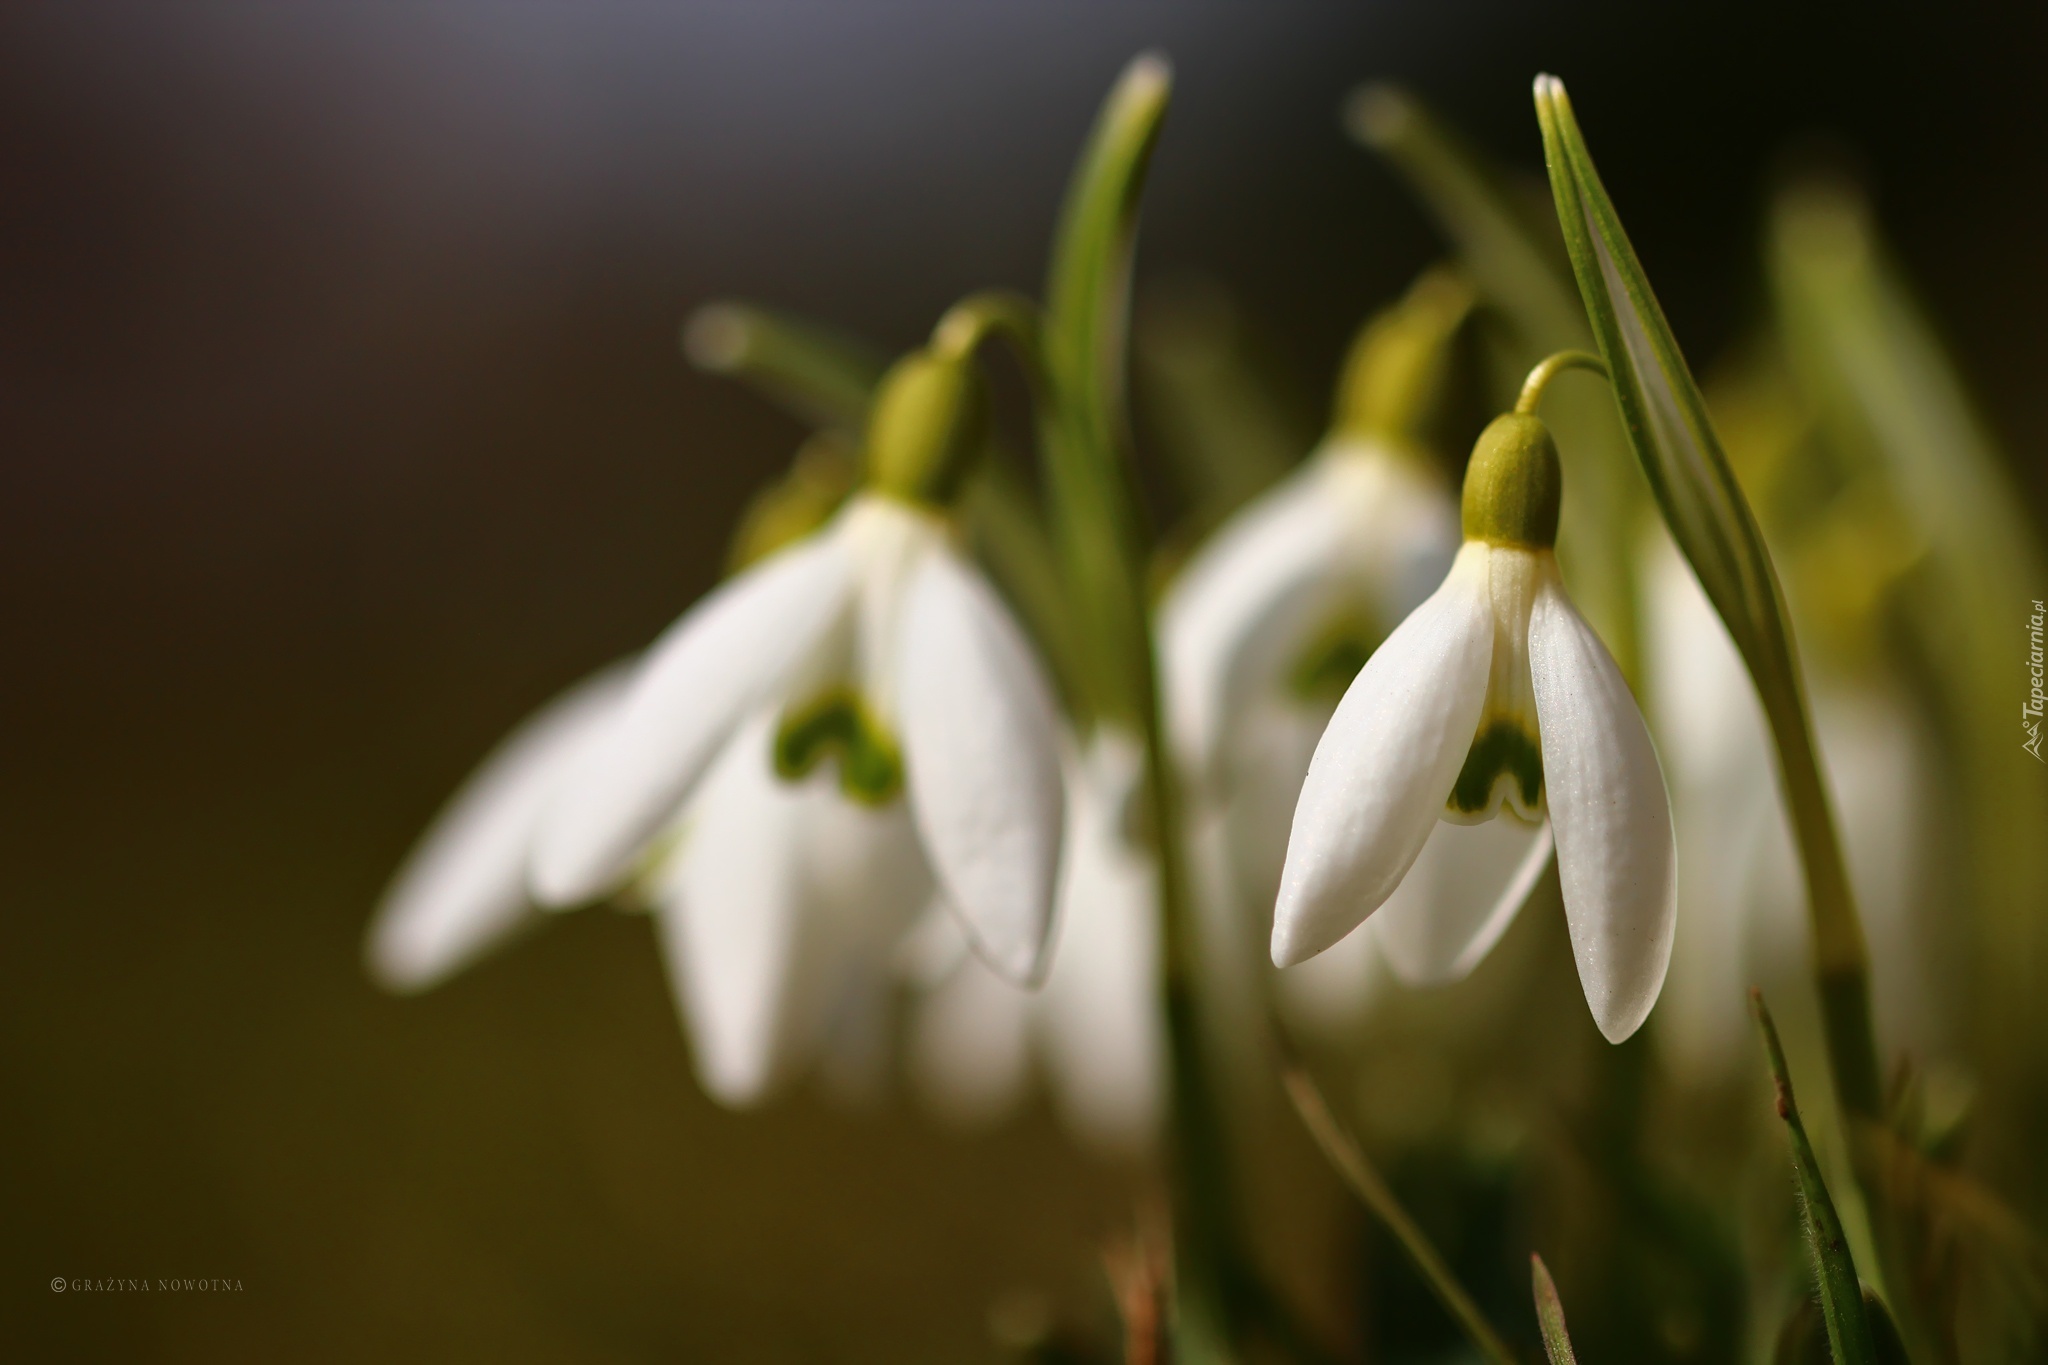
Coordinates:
(825,378)
(1549,368)
(1850,1341)
(1372,1191)
(1688,474)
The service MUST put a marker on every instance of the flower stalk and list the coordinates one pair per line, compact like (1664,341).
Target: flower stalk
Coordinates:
(1696,491)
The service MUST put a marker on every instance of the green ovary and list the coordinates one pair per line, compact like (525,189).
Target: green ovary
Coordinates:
(870,765)
(1503,748)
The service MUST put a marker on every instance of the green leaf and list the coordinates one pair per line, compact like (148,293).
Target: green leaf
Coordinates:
(1088,476)
(1850,1338)
(1681,457)
(1557,1342)
(1372,1190)
(822,376)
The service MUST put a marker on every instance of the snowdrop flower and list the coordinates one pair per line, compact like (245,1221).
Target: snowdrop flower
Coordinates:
(1269,622)
(780,906)
(1095,1025)
(875,642)
(1491,709)
(1740,890)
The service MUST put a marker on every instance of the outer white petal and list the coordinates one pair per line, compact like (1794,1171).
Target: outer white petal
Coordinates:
(732,907)
(1616,853)
(728,654)
(1252,582)
(981,754)
(1381,774)
(1098,1014)
(1460,897)
(463,888)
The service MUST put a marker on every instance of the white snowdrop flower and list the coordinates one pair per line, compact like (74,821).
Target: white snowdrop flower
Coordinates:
(873,641)
(1271,619)
(462,891)
(1491,709)
(1095,1026)
(1741,893)
(779,907)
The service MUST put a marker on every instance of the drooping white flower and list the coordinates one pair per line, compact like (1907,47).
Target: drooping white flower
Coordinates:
(1266,626)
(1741,891)
(1494,702)
(1095,1025)
(462,891)
(779,906)
(873,628)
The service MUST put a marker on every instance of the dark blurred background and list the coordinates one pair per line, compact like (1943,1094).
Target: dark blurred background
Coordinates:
(342,421)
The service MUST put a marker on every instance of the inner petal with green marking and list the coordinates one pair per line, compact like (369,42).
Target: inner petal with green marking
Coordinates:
(1506,755)
(840,723)
(1504,766)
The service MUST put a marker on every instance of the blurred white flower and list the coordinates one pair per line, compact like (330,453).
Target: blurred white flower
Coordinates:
(872,628)
(1491,707)
(1741,891)
(1265,627)
(780,905)
(1095,1025)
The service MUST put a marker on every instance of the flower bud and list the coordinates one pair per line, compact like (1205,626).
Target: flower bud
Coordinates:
(1394,374)
(930,421)
(1513,485)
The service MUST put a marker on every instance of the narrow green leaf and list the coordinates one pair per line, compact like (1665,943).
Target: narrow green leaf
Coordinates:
(1557,1342)
(1088,475)
(822,376)
(1841,1295)
(1372,1191)
(1667,424)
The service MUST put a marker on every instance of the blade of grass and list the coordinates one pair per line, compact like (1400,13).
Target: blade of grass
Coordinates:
(1557,1342)
(1365,1181)
(1841,1294)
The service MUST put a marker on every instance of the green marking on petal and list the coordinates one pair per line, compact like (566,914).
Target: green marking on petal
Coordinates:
(839,722)
(1503,749)
(1332,658)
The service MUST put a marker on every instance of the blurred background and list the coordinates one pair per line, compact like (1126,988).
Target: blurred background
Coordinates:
(343,421)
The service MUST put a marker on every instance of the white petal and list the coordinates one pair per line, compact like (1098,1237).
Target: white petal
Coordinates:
(1384,768)
(731,910)
(1098,1014)
(1462,894)
(732,651)
(1616,853)
(1255,581)
(463,888)
(981,758)
(970,1046)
